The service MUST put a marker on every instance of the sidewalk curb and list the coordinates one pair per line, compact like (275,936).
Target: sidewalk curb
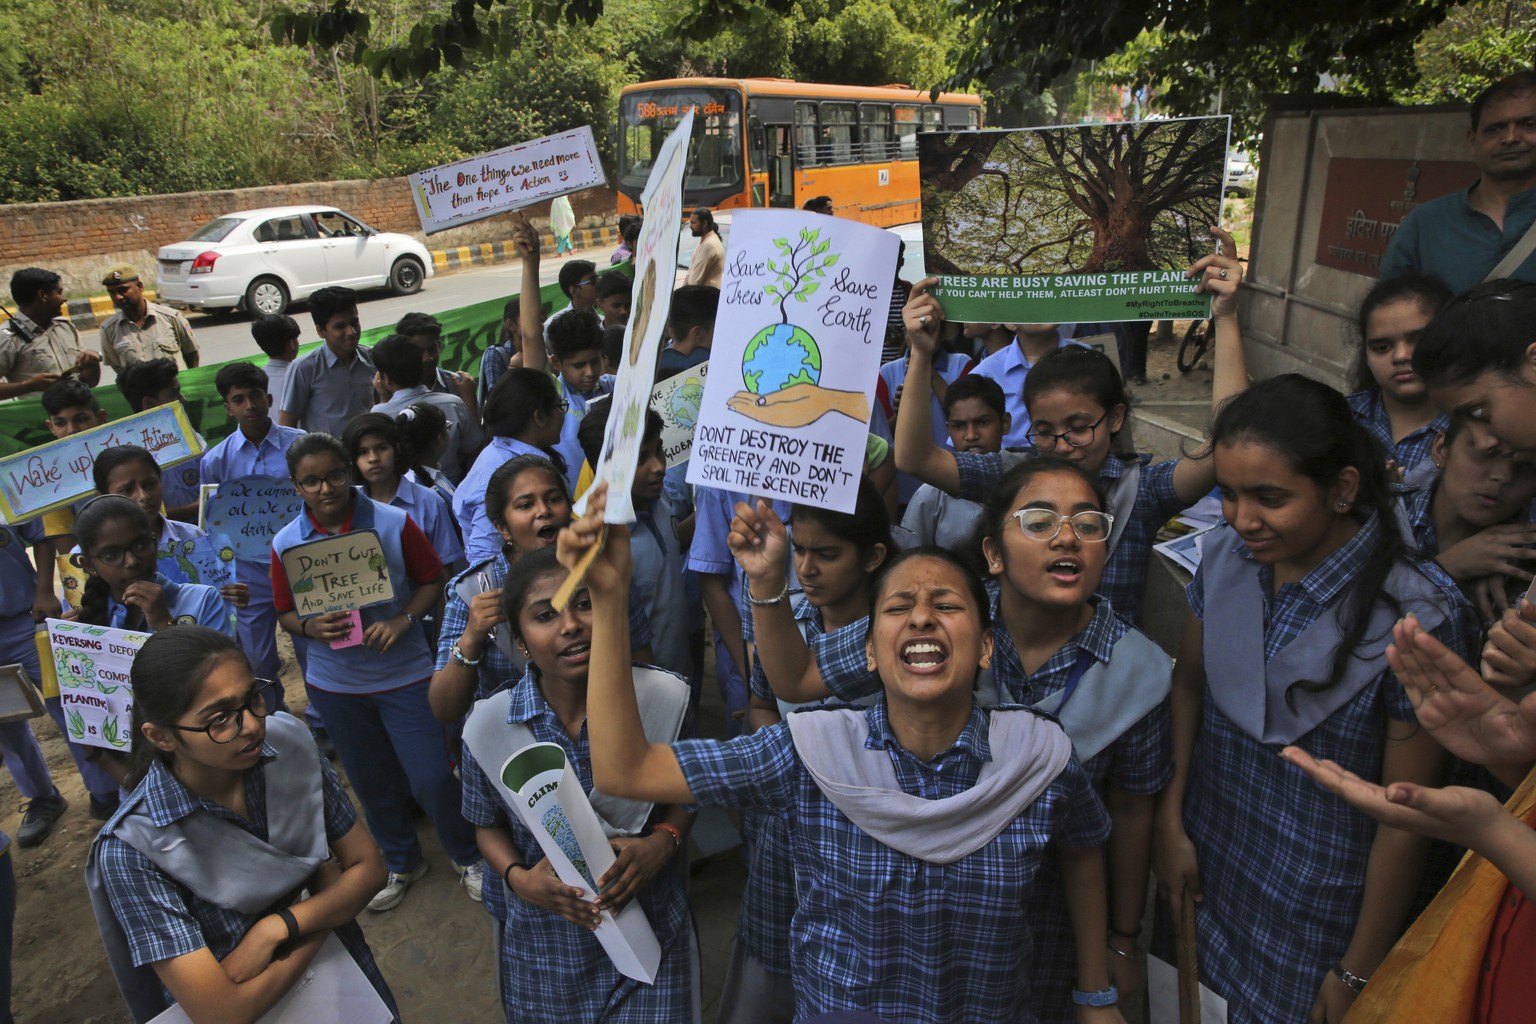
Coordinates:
(91,312)
(486,253)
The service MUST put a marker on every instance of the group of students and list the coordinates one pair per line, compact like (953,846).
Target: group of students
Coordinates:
(959,759)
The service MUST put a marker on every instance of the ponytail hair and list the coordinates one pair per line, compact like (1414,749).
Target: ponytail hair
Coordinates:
(1311,425)
(95,596)
(167,674)
(421,426)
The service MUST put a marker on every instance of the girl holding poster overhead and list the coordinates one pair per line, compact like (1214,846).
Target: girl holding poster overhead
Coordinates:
(552,966)
(1292,611)
(918,825)
(1076,402)
(372,690)
(232,812)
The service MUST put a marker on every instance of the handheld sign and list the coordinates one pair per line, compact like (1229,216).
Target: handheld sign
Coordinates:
(677,400)
(92,663)
(52,475)
(655,270)
(558,812)
(338,574)
(250,511)
(796,357)
(1083,223)
(507,179)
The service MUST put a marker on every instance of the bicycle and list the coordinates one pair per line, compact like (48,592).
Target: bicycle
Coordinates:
(1197,339)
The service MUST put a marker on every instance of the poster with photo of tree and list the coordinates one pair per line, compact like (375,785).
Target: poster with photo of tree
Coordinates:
(1083,223)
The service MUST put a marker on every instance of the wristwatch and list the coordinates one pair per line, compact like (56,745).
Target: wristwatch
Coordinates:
(1353,982)
(411,619)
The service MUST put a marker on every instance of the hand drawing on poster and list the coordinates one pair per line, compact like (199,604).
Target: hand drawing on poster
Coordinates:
(677,400)
(92,664)
(655,270)
(1073,224)
(341,573)
(803,305)
(250,511)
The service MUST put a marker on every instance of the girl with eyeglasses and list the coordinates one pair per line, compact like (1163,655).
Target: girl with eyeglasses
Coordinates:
(918,825)
(373,694)
(124,587)
(133,472)
(236,855)
(1300,895)
(1077,404)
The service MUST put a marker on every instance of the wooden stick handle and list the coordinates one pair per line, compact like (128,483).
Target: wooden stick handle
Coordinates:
(579,574)
(1189,967)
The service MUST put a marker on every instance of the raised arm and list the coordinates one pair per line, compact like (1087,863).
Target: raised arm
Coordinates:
(916,453)
(1219,276)
(530,322)
(760,544)
(624,763)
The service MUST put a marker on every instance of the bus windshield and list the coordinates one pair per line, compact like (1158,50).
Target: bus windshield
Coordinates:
(647,118)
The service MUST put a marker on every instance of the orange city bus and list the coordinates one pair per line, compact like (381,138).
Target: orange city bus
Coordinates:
(773,142)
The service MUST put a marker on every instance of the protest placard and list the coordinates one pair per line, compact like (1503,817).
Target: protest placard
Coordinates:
(250,511)
(556,810)
(54,474)
(209,560)
(92,664)
(677,401)
(1086,223)
(338,574)
(795,355)
(508,179)
(655,271)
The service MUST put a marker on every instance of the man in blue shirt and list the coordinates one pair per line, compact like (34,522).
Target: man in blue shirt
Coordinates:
(1011,364)
(1461,237)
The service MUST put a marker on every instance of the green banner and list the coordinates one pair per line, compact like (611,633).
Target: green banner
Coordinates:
(1073,298)
(467,332)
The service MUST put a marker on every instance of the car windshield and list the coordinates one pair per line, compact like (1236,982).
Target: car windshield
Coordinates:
(215,230)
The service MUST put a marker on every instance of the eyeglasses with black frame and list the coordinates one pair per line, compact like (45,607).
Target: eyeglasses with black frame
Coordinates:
(226,725)
(1044,525)
(337,478)
(1076,437)
(141,547)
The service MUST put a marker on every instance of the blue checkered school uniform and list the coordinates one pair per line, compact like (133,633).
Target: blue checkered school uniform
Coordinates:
(1371,414)
(555,970)
(1125,572)
(876,929)
(163,918)
(768,901)
(1282,862)
(1140,762)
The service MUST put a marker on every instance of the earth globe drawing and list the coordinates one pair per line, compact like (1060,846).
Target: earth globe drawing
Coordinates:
(777,357)
(685,403)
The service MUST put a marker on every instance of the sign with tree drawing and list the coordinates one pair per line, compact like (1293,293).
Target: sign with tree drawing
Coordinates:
(1089,223)
(93,664)
(339,573)
(796,351)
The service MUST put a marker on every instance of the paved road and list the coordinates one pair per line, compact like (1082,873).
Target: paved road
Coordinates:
(228,336)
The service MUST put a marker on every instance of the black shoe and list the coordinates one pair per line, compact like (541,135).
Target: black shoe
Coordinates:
(38,818)
(102,810)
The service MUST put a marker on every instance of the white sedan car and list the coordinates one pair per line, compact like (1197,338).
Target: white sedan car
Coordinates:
(261,260)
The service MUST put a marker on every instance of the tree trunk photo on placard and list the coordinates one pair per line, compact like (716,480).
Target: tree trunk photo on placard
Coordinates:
(1087,199)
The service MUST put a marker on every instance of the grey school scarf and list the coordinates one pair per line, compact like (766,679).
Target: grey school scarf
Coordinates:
(1253,692)
(217,859)
(1029,751)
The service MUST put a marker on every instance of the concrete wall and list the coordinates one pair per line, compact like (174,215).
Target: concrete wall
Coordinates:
(81,239)
(1297,313)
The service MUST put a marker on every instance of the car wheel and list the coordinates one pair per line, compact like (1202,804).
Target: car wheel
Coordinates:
(405,276)
(266,296)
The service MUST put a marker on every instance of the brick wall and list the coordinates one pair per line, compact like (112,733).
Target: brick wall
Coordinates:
(80,239)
